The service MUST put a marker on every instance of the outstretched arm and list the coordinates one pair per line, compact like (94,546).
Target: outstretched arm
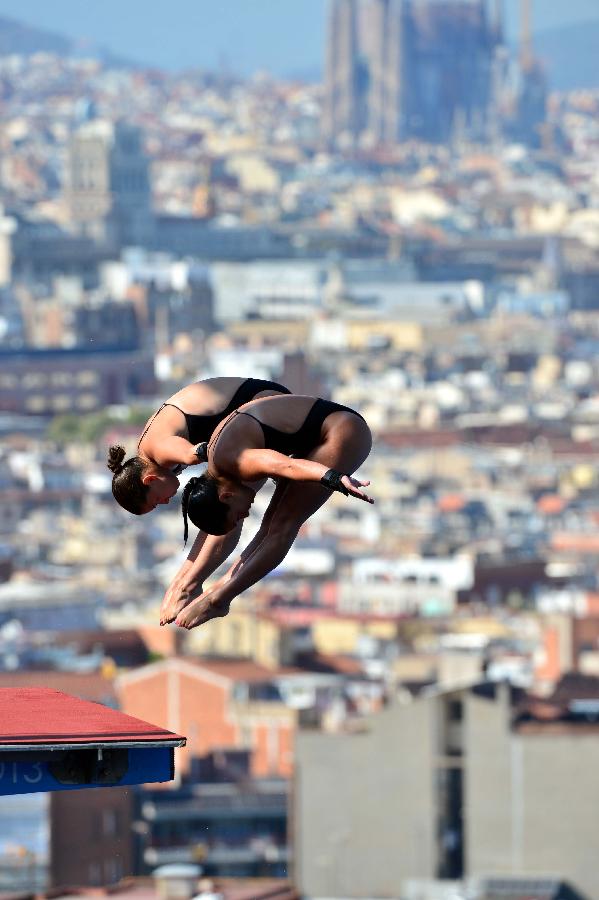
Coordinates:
(251,465)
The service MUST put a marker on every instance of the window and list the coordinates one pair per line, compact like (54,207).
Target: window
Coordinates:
(113,869)
(61,379)
(110,823)
(87,401)
(88,378)
(61,402)
(94,873)
(33,380)
(35,403)
(455,710)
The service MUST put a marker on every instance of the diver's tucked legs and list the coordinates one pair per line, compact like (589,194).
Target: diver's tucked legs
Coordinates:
(260,535)
(293,504)
(265,556)
(206,555)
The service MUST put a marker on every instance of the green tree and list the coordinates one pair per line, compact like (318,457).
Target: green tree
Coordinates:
(88,429)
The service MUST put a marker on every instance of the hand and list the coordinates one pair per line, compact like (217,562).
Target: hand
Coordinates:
(353,486)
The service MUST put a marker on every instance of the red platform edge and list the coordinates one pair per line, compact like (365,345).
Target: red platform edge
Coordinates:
(42,716)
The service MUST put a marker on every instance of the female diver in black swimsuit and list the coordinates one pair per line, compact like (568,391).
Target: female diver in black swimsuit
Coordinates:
(173,438)
(328,443)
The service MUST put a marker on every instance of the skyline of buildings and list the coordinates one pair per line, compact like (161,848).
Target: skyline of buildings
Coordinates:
(299,28)
(415,679)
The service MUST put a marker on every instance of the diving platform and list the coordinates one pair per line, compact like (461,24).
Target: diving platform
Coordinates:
(51,741)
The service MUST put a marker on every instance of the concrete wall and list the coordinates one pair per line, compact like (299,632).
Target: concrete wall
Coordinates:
(531,798)
(363,806)
(560,811)
(366,808)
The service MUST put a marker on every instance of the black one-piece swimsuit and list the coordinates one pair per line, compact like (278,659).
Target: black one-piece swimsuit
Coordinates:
(200,428)
(308,436)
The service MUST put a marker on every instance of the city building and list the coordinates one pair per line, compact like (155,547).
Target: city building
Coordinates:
(97,846)
(240,708)
(57,380)
(397,70)
(531,96)
(232,824)
(108,190)
(340,118)
(36,251)
(436,70)
(473,783)
(230,811)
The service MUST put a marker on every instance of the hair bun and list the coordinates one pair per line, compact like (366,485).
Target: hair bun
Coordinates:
(116,455)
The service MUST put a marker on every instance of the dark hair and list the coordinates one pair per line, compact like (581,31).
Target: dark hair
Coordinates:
(200,502)
(127,487)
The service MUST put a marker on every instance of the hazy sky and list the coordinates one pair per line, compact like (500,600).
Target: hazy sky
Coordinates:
(280,35)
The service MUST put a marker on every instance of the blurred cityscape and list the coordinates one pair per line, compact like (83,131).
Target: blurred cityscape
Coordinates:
(408,706)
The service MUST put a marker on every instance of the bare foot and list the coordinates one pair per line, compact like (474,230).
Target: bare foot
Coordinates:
(208,606)
(175,599)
